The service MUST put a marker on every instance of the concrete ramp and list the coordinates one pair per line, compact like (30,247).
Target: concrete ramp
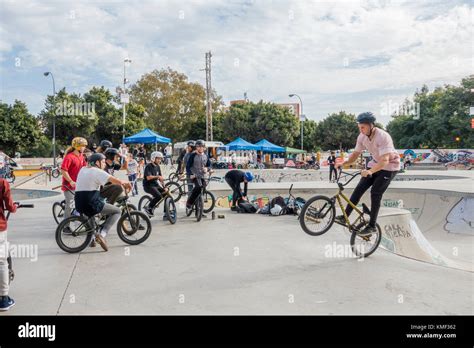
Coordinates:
(402,236)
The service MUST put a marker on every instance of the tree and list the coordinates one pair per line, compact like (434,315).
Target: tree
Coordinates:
(109,116)
(443,119)
(173,104)
(310,139)
(73,116)
(20,130)
(337,131)
(256,121)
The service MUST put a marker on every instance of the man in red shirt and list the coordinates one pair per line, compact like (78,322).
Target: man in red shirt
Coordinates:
(6,204)
(70,167)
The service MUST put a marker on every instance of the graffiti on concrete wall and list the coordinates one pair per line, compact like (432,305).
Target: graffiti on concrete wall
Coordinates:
(460,219)
(398,203)
(259,200)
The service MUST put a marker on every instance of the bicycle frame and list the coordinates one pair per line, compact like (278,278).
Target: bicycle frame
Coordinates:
(360,219)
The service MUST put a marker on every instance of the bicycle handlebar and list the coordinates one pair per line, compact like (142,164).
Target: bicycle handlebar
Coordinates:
(352,175)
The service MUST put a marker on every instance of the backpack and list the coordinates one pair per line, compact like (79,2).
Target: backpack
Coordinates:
(278,200)
(247,207)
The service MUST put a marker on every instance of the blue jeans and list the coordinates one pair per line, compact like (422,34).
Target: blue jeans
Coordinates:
(133,179)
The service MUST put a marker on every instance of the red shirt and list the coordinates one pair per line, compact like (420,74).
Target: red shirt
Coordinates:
(6,203)
(72,164)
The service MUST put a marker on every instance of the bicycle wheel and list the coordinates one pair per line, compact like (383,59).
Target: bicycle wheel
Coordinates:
(209,201)
(58,212)
(175,190)
(170,210)
(364,246)
(173,177)
(74,234)
(131,207)
(317,215)
(198,208)
(55,173)
(144,201)
(127,227)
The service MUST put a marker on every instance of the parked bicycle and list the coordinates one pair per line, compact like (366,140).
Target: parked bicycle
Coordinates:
(51,170)
(319,213)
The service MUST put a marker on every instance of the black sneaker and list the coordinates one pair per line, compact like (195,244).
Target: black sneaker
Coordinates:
(340,219)
(67,230)
(6,302)
(233,208)
(367,231)
(148,211)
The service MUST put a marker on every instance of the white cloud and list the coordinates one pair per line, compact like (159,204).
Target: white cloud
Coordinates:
(281,47)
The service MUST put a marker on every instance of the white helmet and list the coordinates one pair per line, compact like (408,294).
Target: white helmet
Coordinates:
(155,154)
(276,210)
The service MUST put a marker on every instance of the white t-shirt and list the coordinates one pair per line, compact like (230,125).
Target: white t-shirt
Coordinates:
(132,167)
(91,179)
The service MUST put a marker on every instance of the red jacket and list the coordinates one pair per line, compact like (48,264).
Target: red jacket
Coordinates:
(6,203)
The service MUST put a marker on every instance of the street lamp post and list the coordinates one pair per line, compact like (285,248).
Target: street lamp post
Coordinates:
(124,113)
(48,73)
(301,115)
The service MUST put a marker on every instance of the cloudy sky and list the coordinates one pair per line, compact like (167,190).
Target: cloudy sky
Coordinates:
(337,55)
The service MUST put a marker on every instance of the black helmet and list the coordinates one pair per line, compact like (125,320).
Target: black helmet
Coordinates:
(95,157)
(366,117)
(110,153)
(191,143)
(105,144)
(200,143)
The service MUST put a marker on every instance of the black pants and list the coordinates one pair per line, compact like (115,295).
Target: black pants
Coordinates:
(332,168)
(379,182)
(156,192)
(111,192)
(198,185)
(236,192)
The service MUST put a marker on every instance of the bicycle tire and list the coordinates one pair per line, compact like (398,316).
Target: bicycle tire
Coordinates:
(65,223)
(58,212)
(55,173)
(209,201)
(144,201)
(173,177)
(137,217)
(305,209)
(372,250)
(170,210)
(175,189)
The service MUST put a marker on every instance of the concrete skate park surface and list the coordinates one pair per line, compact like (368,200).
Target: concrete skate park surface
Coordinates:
(254,264)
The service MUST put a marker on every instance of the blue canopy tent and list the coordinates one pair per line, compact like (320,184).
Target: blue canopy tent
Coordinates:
(266,146)
(146,136)
(240,144)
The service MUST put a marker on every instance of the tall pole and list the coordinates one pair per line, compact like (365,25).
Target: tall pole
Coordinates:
(124,113)
(301,113)
(209,130)
(48,73)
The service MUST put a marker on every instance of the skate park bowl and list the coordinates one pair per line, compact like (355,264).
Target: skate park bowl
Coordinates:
(425,217)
